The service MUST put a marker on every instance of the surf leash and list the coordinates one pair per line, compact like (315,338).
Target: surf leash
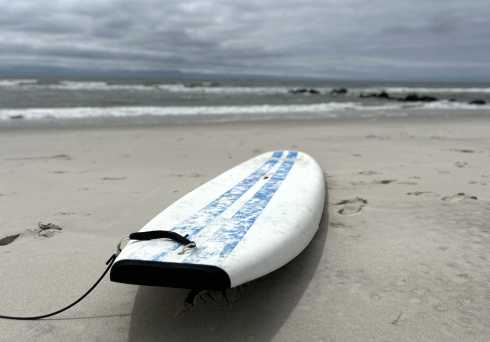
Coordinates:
(139,236)
(109,263)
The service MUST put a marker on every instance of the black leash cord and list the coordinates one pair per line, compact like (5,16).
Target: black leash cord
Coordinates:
(109,263)
(141,236)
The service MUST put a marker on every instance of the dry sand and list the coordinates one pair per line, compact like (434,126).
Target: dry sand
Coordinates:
(404,257)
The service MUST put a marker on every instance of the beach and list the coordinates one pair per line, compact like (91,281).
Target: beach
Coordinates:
(401,255)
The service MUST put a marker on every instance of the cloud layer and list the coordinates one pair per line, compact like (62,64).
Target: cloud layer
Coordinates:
(325,38)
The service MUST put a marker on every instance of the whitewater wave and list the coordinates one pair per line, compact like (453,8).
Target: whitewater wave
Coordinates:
(450,105)
(82,112)
(5,83)
(181,88)
(332,109)
(171,88)
(97,85)
(30,84)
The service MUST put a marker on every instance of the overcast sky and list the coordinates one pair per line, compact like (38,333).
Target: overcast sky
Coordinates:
(325,38)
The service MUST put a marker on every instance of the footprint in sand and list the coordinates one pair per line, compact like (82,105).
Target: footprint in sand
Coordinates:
(113,178)
(66,213)
(58,172)
(408,183)
(462,150)
(461,164)
(195,175)
(470,182)
(356,183)
(458,197)
(368,173)
(191,175)
(335,224)
(45,230)
(351,206)
(377,137)
(56,156)
(418,193)
(385,181)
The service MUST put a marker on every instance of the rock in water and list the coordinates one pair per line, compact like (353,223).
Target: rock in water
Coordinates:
(478,102)
(338,91)
(304,91)
(381,95)
(16,117)
(414,97)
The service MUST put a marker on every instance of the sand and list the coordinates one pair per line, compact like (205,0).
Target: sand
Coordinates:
(402,256)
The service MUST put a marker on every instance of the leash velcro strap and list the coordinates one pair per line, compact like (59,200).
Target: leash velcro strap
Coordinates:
(162,234)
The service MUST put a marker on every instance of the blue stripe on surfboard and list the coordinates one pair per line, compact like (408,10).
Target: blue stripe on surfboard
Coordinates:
(206,215)
(225,239)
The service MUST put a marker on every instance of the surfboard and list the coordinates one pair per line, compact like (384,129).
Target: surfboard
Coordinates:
(244,224)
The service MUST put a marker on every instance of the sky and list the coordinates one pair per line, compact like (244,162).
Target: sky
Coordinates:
(352,39)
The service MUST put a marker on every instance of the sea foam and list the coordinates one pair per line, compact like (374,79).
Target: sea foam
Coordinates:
(331,109)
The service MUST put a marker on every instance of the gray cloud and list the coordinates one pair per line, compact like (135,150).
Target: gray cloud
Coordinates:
(329,38)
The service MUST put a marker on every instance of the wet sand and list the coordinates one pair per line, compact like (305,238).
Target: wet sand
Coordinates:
(403,254)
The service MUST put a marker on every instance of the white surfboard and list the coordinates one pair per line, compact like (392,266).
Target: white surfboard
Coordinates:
(245,223)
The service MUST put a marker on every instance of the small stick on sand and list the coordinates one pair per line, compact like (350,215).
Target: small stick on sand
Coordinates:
(397,319)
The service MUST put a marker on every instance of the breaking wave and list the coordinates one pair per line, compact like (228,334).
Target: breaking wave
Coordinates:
(332,109)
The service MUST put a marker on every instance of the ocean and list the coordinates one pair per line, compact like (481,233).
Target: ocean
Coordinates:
(51,100)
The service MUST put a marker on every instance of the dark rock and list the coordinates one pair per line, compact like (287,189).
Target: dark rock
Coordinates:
(452,100)
(381,95)
(414,97)
(298,91)
(478,102)
(338,91)
(16,117)
(304,91)
(384,95)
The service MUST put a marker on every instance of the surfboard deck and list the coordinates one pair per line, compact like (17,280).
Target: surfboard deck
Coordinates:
(246,223)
